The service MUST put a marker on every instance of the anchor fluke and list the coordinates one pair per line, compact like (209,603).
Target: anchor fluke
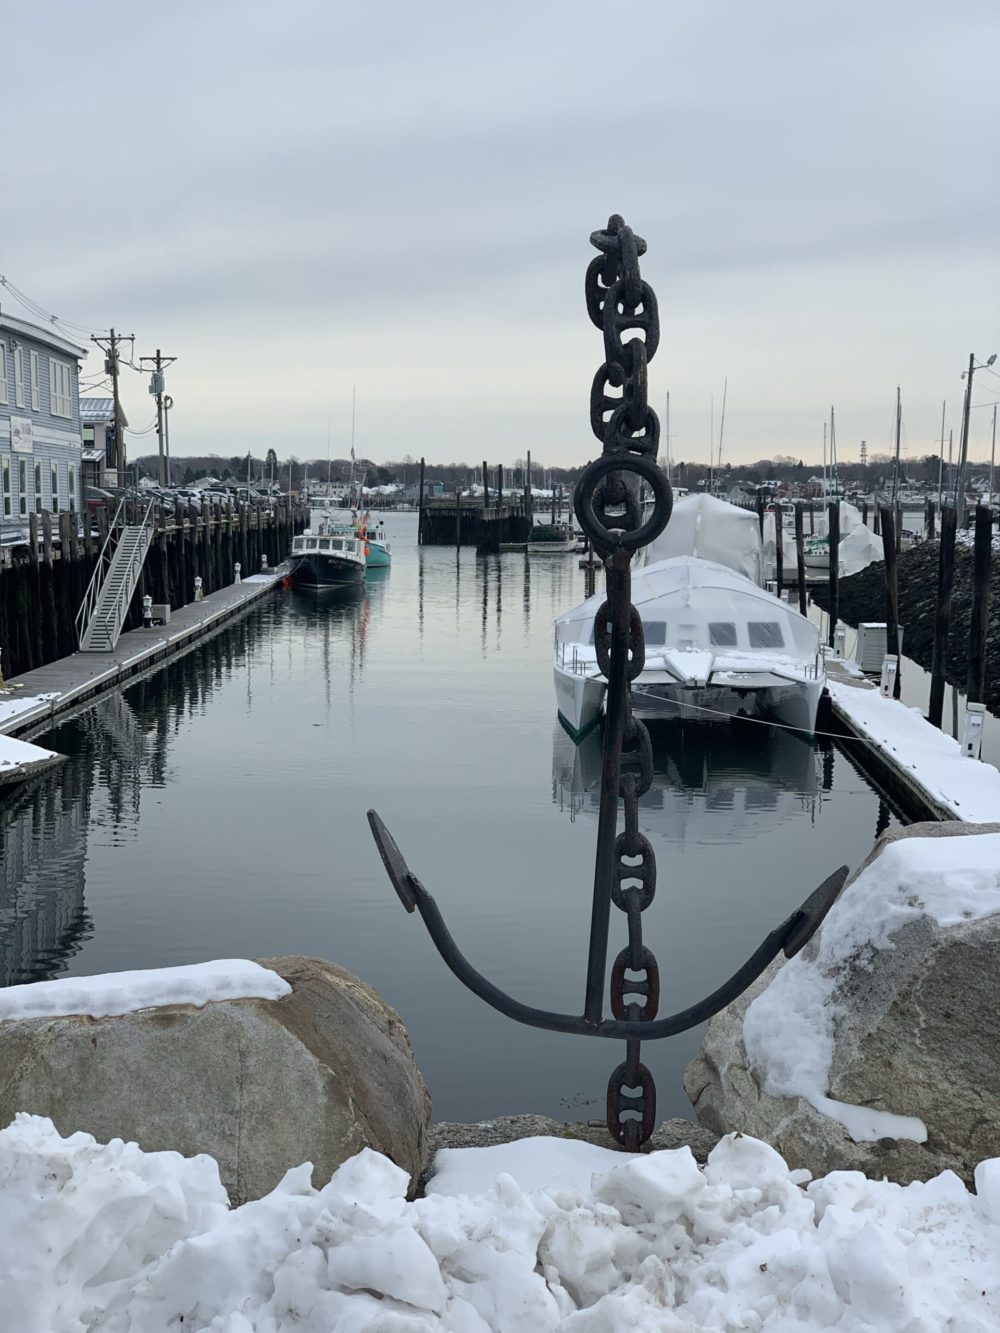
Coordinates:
(813,911)
(392,859)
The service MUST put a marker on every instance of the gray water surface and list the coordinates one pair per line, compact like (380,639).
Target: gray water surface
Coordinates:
(217,809)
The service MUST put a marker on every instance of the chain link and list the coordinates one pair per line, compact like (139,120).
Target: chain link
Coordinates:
(609,507)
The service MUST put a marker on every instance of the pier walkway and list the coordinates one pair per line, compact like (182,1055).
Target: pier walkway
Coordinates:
(30,702)
(910,754)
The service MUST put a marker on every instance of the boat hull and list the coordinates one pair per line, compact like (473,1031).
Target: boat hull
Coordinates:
(579,700)
(794,705)
(327,571)
(378,556)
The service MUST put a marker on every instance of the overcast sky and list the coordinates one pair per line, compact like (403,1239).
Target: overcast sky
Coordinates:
(293,199)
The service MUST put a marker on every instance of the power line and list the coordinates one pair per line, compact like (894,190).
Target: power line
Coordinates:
(41,313)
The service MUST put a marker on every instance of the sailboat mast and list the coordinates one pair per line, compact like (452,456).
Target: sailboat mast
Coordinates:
(895,466)
(329,464)
(666,433)
(722,423)
(833,454)
(944,404)
(824,461)
(711,444)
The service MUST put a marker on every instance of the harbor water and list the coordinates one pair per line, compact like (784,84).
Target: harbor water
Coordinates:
(216,808)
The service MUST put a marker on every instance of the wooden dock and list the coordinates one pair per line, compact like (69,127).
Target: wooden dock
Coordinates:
(30,703)
(466,521)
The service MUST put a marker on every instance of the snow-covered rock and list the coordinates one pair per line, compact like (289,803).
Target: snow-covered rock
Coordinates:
(878,1047)
(262,1067)
(534,1237)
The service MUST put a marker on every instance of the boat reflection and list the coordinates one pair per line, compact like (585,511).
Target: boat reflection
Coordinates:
(750,772)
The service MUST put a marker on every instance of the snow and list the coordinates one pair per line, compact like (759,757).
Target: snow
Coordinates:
(12,708)
(124,992)
(110,1239)
(18,754)
(789,1029)
(967,788)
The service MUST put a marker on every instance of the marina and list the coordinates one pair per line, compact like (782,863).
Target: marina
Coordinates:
(176,762)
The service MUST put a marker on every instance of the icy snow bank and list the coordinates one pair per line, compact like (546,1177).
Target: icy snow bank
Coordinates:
(970,790)
(114,1239)
(788,1030)
(12,706)
(124,992)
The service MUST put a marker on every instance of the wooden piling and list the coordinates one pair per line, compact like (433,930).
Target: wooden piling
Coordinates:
(899,526)
(833,530)
(982,555)
(458,518)
(929,520)
(800,558)
(942,616)
(760,512)
(779,554)
(888,535)
(420,507)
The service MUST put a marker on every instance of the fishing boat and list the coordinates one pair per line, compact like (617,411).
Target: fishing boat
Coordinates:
(327,559)
(717,646)
(378,551)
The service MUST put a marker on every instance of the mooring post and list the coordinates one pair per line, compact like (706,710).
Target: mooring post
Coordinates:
(864,512)
(420,507)
(800,558)
(891,593)
(942,616)
(833,529)
(929,520)
(899,526)
(975,685)
(760,511)
(458,517)
(812,520)
(779,555)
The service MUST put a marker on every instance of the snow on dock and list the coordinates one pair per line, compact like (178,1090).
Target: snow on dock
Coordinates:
(922,758)
(19,760)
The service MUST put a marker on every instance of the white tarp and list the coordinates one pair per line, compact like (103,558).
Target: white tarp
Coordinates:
(712,529)
(859,546)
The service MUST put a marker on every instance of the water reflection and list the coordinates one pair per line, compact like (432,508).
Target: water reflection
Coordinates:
(741,771)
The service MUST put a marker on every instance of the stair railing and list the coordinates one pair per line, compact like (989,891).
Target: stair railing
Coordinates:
(113,617)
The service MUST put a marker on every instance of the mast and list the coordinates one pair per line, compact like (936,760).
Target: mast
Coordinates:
(666,433)
(993,451)
(711,444)
(833,454)
(824,461)
(329,465)
(944,404)
(895,466)
(722,423)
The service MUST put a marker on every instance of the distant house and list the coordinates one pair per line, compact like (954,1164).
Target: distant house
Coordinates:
(97,421)
(40,440)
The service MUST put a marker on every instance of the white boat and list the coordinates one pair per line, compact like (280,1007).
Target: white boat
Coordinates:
(551,539)
(717,646)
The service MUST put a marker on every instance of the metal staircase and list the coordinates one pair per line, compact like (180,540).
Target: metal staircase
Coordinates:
(101,617)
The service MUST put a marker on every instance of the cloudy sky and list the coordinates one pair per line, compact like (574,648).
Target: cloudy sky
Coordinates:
(295,199)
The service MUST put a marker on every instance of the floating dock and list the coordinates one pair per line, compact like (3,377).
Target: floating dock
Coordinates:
(911,757)
(30,703)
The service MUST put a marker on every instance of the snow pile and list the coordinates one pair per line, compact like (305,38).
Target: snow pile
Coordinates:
(13,706)
(968,789)
(124,992)
(117,1240)
(788,1029)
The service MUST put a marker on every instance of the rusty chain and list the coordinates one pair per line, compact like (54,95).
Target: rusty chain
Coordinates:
(610,510)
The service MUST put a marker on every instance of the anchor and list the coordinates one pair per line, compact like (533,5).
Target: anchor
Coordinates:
(608,508)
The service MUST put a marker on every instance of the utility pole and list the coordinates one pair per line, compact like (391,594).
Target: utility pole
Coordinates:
(109,346)
(963,449)
(156,387)
(993,453)
(944,404)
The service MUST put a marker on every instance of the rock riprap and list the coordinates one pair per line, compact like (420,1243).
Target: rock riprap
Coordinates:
(260,1084)
(878,1047)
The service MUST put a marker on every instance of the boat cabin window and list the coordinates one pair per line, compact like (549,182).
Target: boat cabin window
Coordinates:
(765,634)
(324,543)
(722,634)
(299,544)
(655,632)
(336,545)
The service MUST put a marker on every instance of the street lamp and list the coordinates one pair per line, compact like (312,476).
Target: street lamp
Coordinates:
(964,450)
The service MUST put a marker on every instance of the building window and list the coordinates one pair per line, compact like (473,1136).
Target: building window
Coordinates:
(60,389)
(22,487)
(71,488)
(3,371)
(6,488)
(18,378)
(55,488)
(38,488)
(33,363)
